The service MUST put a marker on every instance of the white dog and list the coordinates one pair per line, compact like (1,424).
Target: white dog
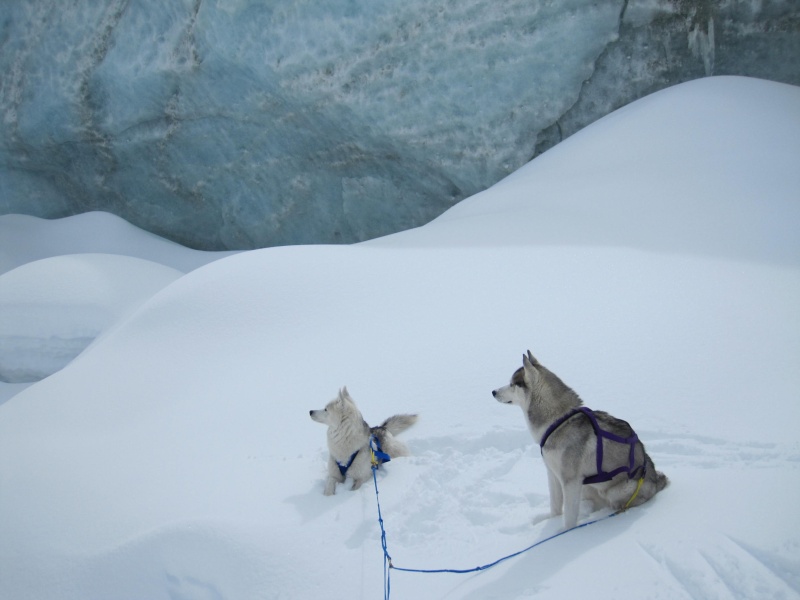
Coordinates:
(351,442)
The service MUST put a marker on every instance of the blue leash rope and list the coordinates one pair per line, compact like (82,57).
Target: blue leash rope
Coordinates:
(387,559)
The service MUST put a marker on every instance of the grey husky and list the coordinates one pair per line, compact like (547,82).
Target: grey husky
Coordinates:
(586,452)
(352,443)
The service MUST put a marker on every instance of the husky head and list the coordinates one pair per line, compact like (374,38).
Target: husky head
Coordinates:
(522,383)
(341,408)
(534,383)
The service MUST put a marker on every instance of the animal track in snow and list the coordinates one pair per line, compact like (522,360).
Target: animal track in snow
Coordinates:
(499,439)
(505,482)
(709,453)
(723,568)
(190,588)
(494,492)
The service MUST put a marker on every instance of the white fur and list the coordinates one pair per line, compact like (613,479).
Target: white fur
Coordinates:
(349,433)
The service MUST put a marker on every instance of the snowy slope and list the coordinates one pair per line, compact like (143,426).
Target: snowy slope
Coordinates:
(175,457)
(697,169)
(26,238)
(52,309)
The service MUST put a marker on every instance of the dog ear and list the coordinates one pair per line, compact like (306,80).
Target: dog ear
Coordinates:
(344,395)
(529,371)
(527,362)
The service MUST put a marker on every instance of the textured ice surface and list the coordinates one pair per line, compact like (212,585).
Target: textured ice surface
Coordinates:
(236,124)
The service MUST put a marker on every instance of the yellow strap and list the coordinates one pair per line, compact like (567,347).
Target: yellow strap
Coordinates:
(636,493)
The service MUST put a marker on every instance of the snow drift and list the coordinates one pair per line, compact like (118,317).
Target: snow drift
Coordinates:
(175,458)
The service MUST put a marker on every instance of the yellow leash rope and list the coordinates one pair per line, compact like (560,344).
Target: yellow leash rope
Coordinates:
(636,493)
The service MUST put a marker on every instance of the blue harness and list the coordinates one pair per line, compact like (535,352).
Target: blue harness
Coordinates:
(343,468)
(601,476)
(378,456)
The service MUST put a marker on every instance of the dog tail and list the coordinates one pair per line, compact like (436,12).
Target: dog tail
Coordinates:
(399,423)
(662,481)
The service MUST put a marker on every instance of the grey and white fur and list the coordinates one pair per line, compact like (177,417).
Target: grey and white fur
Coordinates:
(349,434)
(570,452)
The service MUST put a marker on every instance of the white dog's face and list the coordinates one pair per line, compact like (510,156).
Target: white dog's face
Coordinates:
(335,410)
(328,415)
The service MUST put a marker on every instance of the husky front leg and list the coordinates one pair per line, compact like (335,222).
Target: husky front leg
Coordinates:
(556,494)
(572,502)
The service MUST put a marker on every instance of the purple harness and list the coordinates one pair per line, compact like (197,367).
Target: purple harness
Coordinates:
(600,434)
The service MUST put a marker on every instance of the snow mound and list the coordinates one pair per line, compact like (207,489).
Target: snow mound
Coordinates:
(175,458)
(25,239)
(706,168)
(51,309)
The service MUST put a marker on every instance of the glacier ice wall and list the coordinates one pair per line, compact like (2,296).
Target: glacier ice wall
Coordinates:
(230,124)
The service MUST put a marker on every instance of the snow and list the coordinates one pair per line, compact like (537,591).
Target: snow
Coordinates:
(174,458)
(63,282)
(52,309)
(26,238)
